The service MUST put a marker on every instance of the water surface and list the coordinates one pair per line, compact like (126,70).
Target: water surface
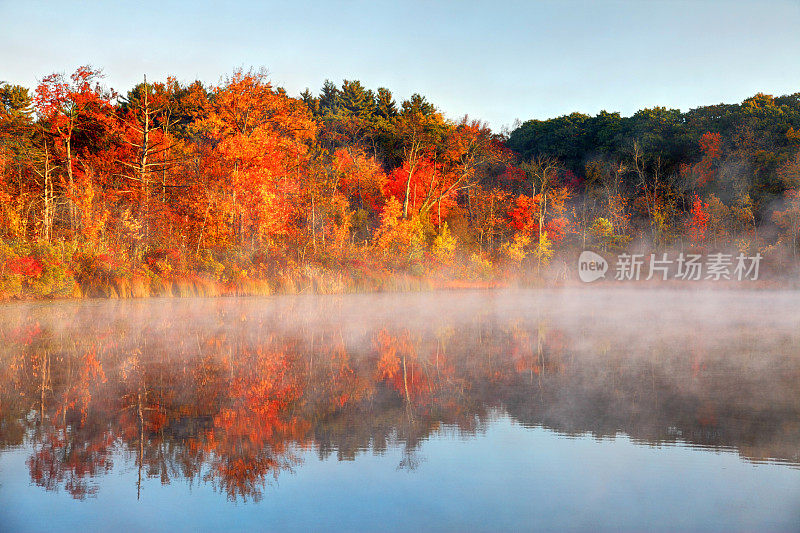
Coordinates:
(550,410)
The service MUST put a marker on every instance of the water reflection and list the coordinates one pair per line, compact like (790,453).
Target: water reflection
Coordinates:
(233,393)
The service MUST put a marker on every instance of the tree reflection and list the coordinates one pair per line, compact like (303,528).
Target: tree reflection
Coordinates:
(232,398)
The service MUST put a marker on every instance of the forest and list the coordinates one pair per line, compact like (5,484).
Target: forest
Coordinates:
(239,188)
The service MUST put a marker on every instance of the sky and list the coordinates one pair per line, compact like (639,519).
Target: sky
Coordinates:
(496,61)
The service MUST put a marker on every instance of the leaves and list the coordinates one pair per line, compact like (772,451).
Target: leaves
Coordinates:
(345,189)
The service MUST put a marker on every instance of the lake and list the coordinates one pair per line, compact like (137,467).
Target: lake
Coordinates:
(563,410)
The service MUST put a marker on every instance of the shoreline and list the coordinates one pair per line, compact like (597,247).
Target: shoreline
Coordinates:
(420,286)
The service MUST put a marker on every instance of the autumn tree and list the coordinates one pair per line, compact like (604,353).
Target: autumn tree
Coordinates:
(548,196)
(698,223)
(420,129)
(789,221)
(149,115)
(261,138)
(75,112)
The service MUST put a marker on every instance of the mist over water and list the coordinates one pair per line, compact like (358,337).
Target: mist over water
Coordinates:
(480,410)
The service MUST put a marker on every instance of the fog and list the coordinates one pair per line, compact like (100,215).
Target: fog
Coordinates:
(355,374)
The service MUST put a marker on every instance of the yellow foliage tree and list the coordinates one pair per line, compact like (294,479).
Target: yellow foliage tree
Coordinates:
(543,251)
(444,245)
(399,241)
(515,250)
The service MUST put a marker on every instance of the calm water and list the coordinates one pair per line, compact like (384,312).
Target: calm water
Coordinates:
(533,410)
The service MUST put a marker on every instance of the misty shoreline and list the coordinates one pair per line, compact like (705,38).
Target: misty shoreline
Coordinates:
(425,287)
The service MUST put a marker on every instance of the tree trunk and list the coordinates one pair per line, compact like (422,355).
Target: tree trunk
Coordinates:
(47,193)
(71,185)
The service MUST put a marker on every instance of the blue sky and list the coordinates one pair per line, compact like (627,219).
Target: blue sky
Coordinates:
(497,61)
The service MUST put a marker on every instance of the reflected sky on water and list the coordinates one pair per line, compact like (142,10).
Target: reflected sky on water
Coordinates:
(579,410)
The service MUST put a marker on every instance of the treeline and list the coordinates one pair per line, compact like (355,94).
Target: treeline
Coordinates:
(723,167)
(240,188)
